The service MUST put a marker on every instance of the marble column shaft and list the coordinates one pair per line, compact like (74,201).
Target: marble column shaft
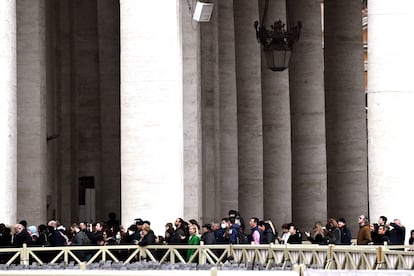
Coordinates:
(65,201)
(228,138)
(151,112)
(309,198)
(390,110)
(277,161)
(249,106)
(86,96)
(109,77)
(8,111)
(192,113)
(31,109)
(346,140)
(208,49)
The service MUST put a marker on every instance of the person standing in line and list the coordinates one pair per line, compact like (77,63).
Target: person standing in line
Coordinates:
(267,232)
(208,236)
(397,232)
(382,220)
(256,233)
(180,235)
(364,233)
(381,237)
(169,232)
(194,239)
(285,234)
(346,235)
(237,218)
(147,236)
(21,236)
(5,235)
(295,235)
(318,233)
(332,232)
(411,240)
(233,231)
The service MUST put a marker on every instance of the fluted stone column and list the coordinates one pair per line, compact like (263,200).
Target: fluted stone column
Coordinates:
(151,112)
(390,110)
(277,177)
(8,111)
(31,110)
(227,97)
(309,198)
(249,105)
(109,77)
(346,141)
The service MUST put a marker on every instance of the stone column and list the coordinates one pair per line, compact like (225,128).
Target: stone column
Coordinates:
(8,119)
(31,109)
(109,77)
(66,192)
(227,98)
(192,170)
(390,110)
(52,118)
(346,141)
(249,105)
(277,161)
(86,91)
(208,49)
(60,195)
(151,112)
(309,198)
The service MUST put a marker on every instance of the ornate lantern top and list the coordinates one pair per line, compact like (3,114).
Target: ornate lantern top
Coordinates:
(279,40)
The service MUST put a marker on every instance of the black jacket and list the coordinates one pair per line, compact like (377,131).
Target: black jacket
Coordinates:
(346,236)
(147,239)
(397,234)
(208,238)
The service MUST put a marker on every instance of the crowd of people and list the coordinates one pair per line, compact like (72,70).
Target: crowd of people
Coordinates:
(231,230)
(337,232)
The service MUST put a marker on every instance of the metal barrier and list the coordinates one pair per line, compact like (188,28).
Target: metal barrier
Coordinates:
(261,257)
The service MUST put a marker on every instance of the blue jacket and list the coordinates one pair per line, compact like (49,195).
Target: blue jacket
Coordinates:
(234,233)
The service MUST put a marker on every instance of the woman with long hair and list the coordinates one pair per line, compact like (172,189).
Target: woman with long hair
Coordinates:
(332,232)
(194,239)
(318,233)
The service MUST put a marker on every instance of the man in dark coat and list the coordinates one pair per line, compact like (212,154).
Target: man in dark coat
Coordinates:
(21,236)
(397,232)
(208,236)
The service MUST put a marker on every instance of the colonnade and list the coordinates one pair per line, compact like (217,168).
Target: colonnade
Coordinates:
(133,107)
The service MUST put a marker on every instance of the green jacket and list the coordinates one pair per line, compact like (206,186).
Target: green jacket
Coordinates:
(193,240)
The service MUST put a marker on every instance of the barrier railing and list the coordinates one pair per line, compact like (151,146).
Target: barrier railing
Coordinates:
(265,257)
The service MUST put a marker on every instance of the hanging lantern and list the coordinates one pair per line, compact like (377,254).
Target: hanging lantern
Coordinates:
(277,43)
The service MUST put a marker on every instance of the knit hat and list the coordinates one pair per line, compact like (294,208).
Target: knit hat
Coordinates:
(32,229)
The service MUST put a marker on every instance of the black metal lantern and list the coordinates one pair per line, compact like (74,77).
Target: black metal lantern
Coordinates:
(277,42)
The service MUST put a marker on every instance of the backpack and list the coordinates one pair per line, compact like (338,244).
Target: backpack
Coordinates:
(243,238)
